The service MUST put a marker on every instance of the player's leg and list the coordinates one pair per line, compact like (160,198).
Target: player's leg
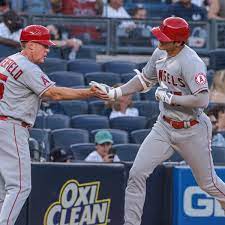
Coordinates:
(196,150)
(15,169)
(154,150)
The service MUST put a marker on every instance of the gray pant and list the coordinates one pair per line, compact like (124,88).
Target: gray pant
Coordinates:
(15,170)
(193,144)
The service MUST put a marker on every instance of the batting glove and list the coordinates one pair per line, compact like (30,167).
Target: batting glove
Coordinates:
(162,94)
(112,93)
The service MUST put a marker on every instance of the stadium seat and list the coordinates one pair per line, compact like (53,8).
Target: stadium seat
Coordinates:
(74,107)
(52,65)
(218,154)
(43,136)
(103,77)
(217,59)
(119,66)
(81,151)
(141,65)
(147,108)
(66,137)
(127,76)
(151,122)
(7,50)
(84,66)
(97,107)
(89,122)
(86,52)
(39,122)
(34,149)
(150,95)
(57,121)
(126,152)
(119,136)
(175,158)
(67,78)
(128,123)
(55,52)
(138,136)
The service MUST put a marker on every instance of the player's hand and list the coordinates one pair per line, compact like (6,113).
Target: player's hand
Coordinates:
(109,91)
(162,94)
(96,92)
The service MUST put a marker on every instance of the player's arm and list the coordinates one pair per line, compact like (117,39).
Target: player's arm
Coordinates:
(63,93)
(200,100)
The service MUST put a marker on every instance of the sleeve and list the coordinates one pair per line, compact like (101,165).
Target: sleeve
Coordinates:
(149,70)
(195,76)
(36,80)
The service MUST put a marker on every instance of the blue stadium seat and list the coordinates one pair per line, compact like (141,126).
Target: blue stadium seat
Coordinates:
(43,136)
(57,121)
(217,59)
(176,157)
(119,136)
(150,95)
(34,150)
(119,66)
(53,65)
(81,151)
(7,50)
(151,122)
(39,122)
(89,122)
(66,137)
(138,136)
(97,107)
(84,66)
(67,78)
(141,65)
(127,76)
(55,52)
(218,154)
(128,123)
(147,108)
(103,77)
(126,152)
(86,52)
(74,107)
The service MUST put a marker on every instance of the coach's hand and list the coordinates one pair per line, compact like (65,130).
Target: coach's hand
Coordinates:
(112,93)
(162,94)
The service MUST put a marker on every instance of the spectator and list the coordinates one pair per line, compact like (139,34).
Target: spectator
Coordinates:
(217,139)
(58,154)
(219,112)
(216,9)
(10,29)
(217,90)
(31,6)
(103,152)
(140,12)
(82,7)
(4,6)
(187,10)
(72,43)
(123,107)
(115,9)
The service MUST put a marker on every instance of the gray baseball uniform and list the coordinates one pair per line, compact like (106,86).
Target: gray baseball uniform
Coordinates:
(21,85)
(183,74)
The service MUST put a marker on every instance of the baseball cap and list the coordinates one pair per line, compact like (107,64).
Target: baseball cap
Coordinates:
(103,136)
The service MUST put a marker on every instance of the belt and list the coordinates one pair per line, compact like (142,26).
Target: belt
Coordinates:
(180,124)
(23,124)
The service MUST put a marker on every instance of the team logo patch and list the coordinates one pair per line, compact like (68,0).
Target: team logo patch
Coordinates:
(200,78)
(45,81)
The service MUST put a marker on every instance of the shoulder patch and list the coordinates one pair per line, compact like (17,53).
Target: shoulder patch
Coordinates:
(200,78)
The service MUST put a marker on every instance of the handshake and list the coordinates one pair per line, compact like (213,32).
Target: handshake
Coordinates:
(112,93)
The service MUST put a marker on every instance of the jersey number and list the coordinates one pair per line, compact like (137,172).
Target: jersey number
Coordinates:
(3,78)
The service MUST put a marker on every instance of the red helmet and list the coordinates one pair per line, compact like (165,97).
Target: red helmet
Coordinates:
(172,29)
(36,33)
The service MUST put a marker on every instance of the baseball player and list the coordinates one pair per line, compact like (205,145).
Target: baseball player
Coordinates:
(182,125)
(22,86)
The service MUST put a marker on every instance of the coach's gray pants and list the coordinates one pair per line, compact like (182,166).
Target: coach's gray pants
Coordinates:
(193,144)
(15,171)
